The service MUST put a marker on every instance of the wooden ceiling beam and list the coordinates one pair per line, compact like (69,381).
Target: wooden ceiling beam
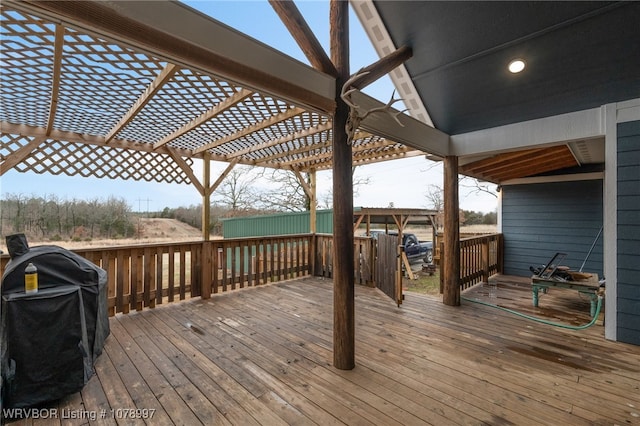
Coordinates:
(271,121)
(161,79)
(498,160)
(204,117)
(520,164)
(533,167)
(302,34)
(506,159)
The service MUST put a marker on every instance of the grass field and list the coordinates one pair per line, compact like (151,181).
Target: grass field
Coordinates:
(424,283)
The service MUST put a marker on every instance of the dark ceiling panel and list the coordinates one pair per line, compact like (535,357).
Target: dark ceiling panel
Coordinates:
(579,55)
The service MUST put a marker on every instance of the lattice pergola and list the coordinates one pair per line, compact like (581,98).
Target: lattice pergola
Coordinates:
(78,104)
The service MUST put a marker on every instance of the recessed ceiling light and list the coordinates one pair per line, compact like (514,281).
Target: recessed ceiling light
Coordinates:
(516,66)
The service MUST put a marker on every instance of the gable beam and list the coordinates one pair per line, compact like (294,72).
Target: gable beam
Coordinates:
(412,133)
(585,124)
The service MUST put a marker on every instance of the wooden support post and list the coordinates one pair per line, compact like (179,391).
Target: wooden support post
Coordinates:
(313,225)
(206,261)
(207,269)
(485,259)
(343,280)
(398,289)
(206,196)
(451,265)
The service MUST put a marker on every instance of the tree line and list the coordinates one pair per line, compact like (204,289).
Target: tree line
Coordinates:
(55,219)
(51,218)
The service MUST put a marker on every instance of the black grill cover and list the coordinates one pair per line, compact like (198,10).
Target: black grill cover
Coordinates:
(49,340)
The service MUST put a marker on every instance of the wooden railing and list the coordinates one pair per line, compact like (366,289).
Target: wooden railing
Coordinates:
(480,257)
(364,258)
(142,277)
(145,276)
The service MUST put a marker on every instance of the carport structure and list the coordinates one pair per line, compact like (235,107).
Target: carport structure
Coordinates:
(135,91)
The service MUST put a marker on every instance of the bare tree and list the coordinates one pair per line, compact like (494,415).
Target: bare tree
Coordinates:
(357,183)
(288,195)
(435,200)
(237,191)
(478,187)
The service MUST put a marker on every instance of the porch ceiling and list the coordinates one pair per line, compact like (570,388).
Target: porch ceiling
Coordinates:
(512,165)
(79,100)
(578,55)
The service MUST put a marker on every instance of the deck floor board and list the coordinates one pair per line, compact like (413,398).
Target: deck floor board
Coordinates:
(264,356)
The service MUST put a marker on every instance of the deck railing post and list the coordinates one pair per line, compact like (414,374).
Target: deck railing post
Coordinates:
(206,271)
(485,258)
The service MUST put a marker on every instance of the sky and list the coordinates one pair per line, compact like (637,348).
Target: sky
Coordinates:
(402,183)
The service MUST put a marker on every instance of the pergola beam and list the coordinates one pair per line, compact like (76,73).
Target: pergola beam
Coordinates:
(283,140)
(19,155)
(185,168)
(359,154)
(161,79)
(204,117)
(204,44)
(303,183)
(31,131)
(55,80)
(274,119)
(222,176)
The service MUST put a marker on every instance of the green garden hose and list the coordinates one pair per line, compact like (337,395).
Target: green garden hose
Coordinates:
(555,324)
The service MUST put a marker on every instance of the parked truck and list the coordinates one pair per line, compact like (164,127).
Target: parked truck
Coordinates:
(412,246)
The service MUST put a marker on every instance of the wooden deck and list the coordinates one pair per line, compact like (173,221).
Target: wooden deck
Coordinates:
(263,356)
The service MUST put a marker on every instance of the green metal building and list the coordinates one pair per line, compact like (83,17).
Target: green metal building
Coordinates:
(277,224)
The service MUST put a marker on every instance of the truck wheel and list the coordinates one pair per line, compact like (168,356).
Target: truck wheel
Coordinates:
(429,257)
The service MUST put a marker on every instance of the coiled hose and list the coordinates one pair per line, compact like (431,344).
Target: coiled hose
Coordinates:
(543,321)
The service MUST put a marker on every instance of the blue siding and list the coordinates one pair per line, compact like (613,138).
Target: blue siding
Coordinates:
(628,244)
(539,220)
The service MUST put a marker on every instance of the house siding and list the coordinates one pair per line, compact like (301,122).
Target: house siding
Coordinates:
(628,231)
(541,219)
